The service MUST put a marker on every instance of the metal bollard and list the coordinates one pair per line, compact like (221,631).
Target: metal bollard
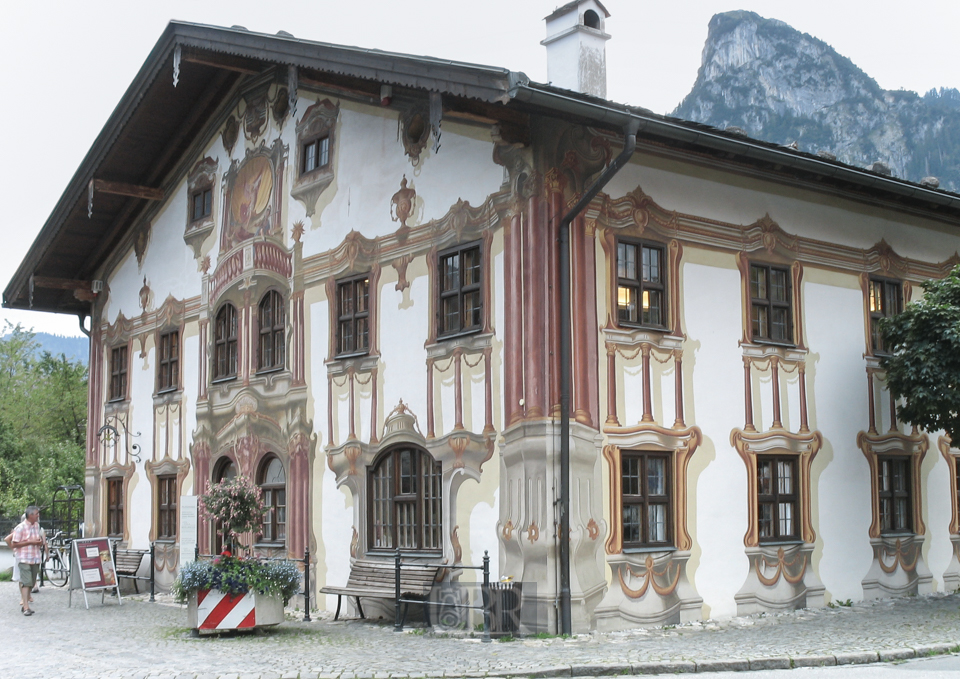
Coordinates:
(196,552)
(153,572)
(398,622)
(306,584)
(485,596)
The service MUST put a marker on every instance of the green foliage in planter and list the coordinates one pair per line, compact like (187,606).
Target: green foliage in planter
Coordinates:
(236,505)
(235,575)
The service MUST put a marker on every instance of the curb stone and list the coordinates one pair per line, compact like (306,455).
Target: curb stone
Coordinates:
(665,667)
(723,666)
(892,654)
(932,649)
(600,670)
(779,663)
(861,658)
(814,661)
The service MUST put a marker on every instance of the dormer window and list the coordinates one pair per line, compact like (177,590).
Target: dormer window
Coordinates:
(201,204)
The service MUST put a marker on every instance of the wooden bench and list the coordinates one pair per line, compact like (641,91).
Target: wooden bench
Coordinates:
(377,580)
(128,564)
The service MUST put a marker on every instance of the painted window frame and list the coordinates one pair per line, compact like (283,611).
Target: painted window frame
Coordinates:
(274,504)
(226,347)
(354,318)
(645,499)
(387,497)
(767,302)
(641,286)
(322,146)
(115,506)
(776,498)
(893,495)
(119,373)
(167,507)
(202,197)
(272,334)
(877,308)
(168,361)
(461,290)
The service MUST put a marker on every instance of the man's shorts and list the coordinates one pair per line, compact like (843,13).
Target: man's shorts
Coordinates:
(28,574)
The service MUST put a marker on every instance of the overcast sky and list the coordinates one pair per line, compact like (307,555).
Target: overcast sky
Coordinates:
(65,65)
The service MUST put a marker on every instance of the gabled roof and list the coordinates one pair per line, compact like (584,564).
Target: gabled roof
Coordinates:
(156,125)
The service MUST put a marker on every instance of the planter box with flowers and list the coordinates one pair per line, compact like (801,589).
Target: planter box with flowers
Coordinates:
(232,592)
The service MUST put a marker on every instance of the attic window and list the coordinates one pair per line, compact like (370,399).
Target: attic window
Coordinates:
(591,19)
(316,154)
(201,204)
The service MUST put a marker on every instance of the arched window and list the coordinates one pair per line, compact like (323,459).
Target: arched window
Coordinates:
(225,343)
(271,319)
(405,501)
(273,482)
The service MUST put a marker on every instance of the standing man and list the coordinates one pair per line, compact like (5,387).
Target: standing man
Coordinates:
(27,546)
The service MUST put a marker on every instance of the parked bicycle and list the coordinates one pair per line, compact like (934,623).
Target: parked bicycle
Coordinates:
(56,562)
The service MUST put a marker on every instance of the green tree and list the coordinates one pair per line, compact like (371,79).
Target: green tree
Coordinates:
(924,366)
(43,416)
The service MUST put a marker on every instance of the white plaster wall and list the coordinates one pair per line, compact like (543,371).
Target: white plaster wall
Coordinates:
(838,408)
(403,360)
(141,385)
(738,200)
(721,511)
(935,474)
(364,188)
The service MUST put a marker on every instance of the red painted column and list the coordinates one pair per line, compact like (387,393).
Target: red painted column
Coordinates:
(647,400)
(513,330)
(775,383)
(487,392)
(748,396)
(678,388)
(533,316)
(870,402)
(430,431)
(804,425)
(612,418)
(554,185)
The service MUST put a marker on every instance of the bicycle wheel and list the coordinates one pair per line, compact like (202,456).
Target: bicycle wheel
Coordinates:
(55,570)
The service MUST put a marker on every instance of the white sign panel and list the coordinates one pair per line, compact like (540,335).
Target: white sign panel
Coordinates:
(188,527)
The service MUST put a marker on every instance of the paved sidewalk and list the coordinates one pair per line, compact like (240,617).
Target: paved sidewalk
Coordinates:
(140,639)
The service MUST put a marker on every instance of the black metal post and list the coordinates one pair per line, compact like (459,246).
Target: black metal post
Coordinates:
(153,572)
(196,552)
(306,585)
(629,146)
(398,622)
(485,598)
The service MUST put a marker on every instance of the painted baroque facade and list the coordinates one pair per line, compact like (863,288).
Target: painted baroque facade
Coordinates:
(322,288)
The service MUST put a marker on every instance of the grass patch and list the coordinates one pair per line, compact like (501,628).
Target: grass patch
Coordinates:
(6,576)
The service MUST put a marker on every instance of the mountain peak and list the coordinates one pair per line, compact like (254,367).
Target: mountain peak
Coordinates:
(784,86)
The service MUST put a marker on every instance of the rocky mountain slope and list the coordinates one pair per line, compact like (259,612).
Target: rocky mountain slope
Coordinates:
(783,86)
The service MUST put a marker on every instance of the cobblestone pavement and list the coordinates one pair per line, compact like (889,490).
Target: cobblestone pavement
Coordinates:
(142,639)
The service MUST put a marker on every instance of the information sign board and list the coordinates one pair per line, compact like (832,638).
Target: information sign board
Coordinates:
(92,567)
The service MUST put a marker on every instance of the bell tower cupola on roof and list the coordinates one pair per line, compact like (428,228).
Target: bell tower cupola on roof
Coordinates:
(576,47)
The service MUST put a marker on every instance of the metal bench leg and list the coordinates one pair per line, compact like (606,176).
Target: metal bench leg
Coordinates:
(136,587)
(337,615)
(360,608)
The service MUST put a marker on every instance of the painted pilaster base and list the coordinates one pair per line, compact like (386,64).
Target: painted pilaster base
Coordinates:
(781,577)
(529,490)
(898,568)
(648,589)
(951,576)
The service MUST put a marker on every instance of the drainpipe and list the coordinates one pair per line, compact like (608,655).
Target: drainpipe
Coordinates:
(630,144)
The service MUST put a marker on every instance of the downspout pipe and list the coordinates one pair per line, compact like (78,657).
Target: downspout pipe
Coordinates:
(629,146)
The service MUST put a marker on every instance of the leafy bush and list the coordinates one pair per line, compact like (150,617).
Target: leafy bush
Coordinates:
(236,575)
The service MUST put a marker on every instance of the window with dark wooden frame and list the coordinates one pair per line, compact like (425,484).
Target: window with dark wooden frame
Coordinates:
(895,496)
(777,510)
(167,507)
(225,343)
(405,502)
(201,204)
(118,373)
(641,284)
(273,484)
(168,363)
(461,298)
(885,300)
(271,321)
(315,154)
(771,315)
(646,499)
(353,316)
(115,507)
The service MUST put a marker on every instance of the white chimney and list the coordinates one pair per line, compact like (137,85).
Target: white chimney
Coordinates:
(576,47)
